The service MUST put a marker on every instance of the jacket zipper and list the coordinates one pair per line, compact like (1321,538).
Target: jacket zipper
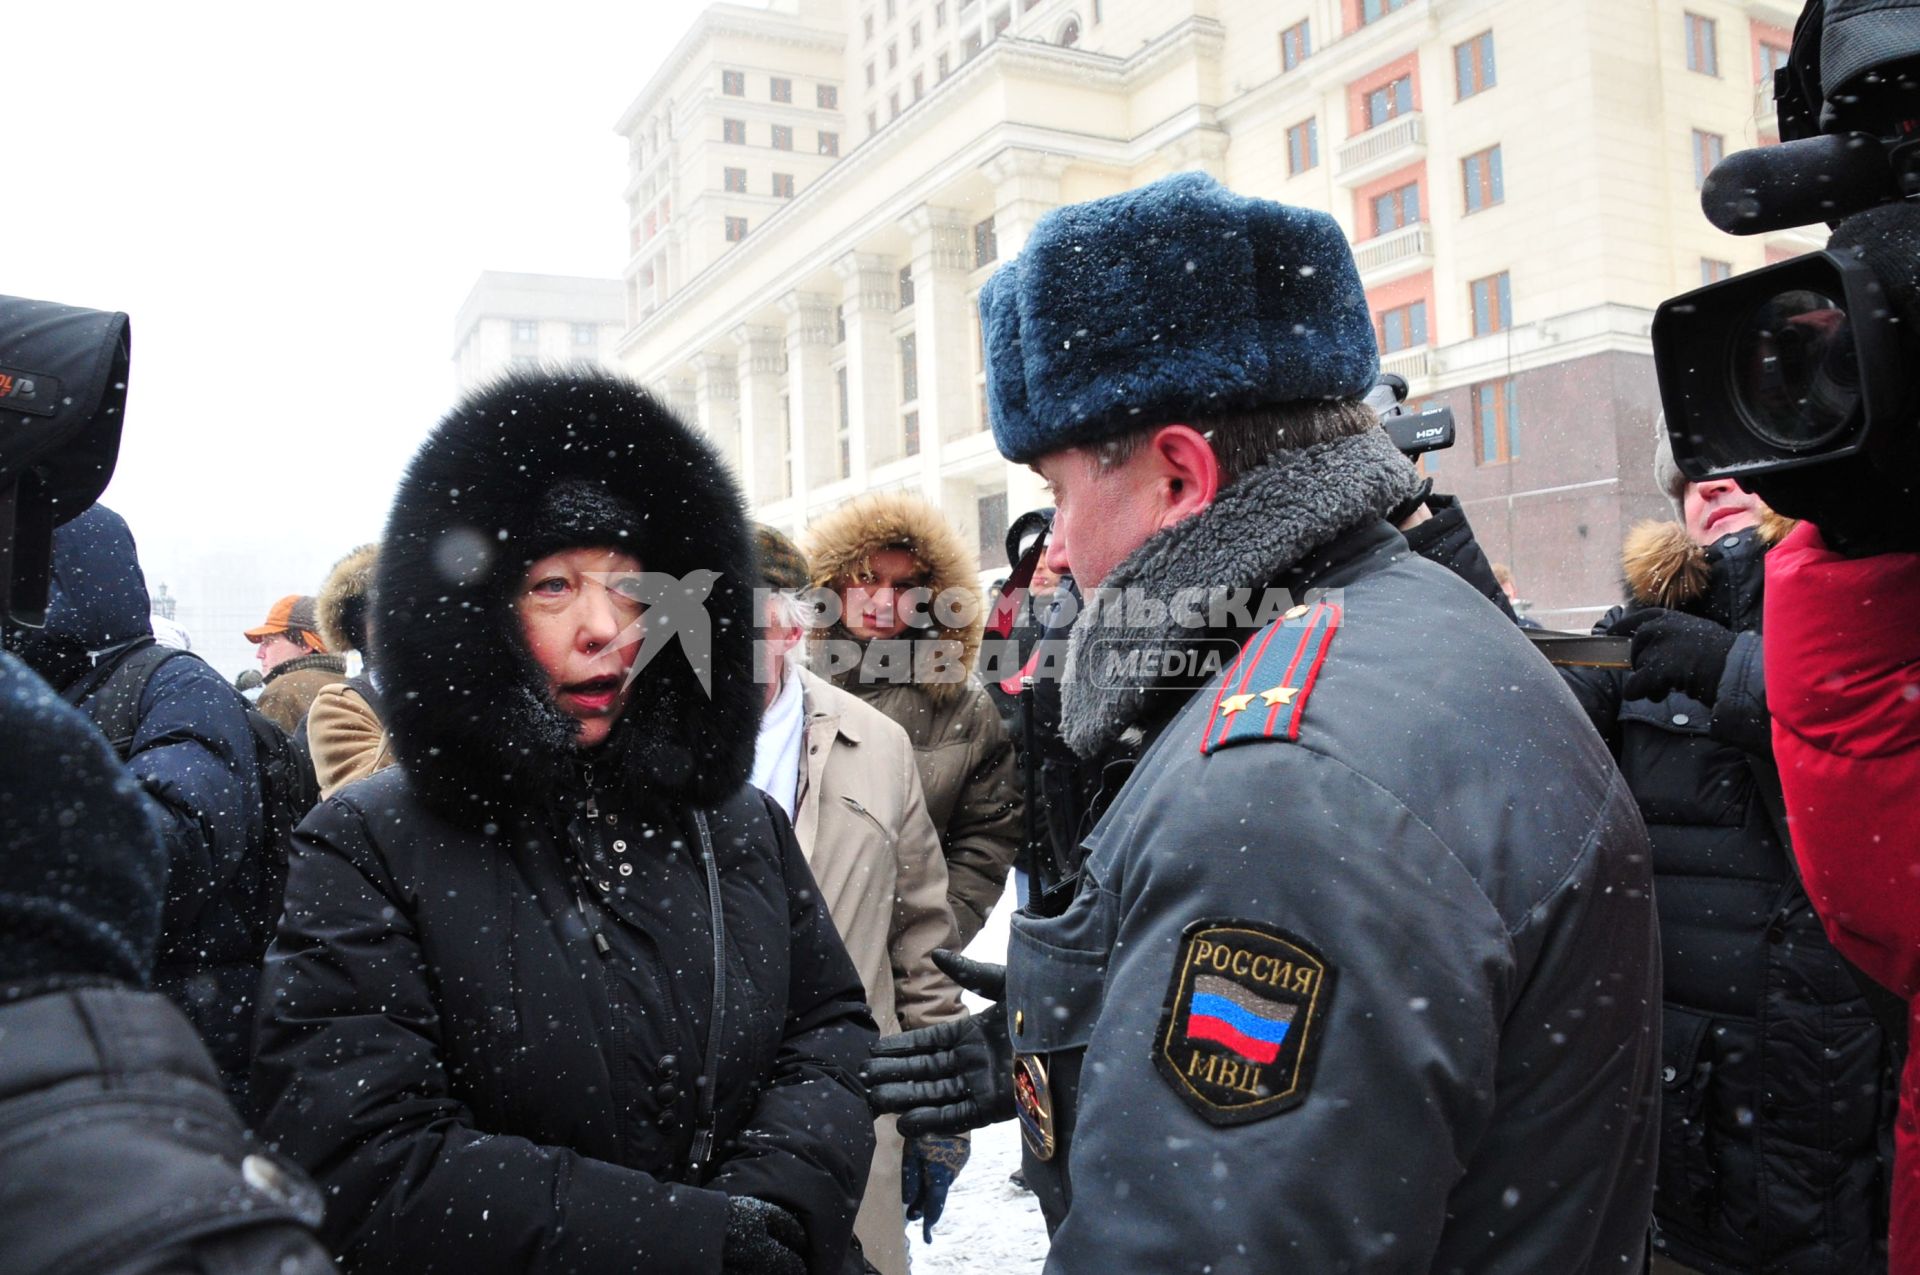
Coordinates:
(703,1127)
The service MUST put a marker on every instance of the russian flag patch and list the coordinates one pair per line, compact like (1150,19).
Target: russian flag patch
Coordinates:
(1244,1013)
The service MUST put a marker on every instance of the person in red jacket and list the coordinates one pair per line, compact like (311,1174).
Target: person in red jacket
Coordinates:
(1843,680)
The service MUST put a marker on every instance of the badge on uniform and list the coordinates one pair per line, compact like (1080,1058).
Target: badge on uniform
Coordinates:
(1033,1104)
(1245,1011)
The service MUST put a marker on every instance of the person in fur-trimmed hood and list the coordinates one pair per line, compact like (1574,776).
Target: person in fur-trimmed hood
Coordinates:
(558,992)
(1779,1088)
(344,733)
(909,632)
(1312,1004)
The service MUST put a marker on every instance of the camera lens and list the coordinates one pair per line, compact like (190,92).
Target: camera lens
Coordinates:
(1795,375)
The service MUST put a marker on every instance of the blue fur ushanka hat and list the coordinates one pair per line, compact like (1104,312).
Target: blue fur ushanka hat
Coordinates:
(1179,299)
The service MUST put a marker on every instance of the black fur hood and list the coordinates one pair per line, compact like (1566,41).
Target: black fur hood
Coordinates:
(532,464)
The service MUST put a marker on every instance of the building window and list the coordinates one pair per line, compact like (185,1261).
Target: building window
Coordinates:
(1481,176)
(866,27)
(909,368)
(906,286)
(991,520)
(1708,150)
(1403,327)
(1492,301)
(1712,271)
(1096,12)
(1473,65)
(1396,208)
(733,83)
(840,325)
(1374,10)
(1001,21)
(1303,146)
(870,76)
(826,97)
(919,85)
(873,123)
(1070,33)
(1703,52)
(1773,57)
(913,36)
(893,105)
(971,48)
(783,137)
(1496,421)
(736,229)
(734,132)
(892,11)
(829,143)
(893,56)
(946,64)
(842,425)
(1296,44)
(783,185)
(940,14)
(526,331)
(735,180)
(910,434)
(986,246)
(780,89)
(1389,101)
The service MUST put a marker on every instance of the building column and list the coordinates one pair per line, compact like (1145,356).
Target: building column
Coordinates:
(941,259)
(869,297)
(810,388)
(716,405)
(1026,185)
(762,419)
(682,397)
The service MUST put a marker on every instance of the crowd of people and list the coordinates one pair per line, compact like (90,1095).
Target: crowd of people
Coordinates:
(569,934)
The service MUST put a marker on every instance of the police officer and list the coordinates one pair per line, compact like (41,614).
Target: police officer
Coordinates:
(1361,971)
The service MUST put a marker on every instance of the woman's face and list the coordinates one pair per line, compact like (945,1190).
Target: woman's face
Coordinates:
(584,631)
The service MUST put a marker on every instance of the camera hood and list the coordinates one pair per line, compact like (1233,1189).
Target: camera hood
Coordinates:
(63,395)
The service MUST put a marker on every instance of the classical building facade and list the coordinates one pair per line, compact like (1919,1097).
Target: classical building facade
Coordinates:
(819,189)
(525,320)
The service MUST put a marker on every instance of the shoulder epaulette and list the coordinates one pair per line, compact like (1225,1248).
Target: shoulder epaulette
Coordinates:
(1263,693)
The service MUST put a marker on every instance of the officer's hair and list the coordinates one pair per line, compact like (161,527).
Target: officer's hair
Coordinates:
(1244,441)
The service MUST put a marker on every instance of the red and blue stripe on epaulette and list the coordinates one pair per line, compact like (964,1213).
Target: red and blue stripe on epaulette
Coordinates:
(1264,693)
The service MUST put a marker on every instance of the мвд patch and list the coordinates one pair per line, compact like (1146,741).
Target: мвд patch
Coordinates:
(1245,1011)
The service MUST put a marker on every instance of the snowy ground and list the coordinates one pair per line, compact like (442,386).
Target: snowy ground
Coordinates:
(990,1224)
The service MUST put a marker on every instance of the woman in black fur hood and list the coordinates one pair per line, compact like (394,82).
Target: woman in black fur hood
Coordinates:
(491,1027)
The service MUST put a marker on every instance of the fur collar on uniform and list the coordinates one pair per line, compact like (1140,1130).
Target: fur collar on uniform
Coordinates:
(323,661)
(1664,567)
(530,465)
(838,546)
(1257,529)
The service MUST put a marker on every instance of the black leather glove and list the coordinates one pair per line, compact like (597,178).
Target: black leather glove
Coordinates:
(950,1077)
(1673,651)
(762,1239)
(927,1170)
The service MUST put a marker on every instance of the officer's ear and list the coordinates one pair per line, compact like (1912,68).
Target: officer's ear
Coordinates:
(1187,473)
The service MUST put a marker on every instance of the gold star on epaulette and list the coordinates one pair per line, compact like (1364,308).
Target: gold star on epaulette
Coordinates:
(1234,703)
(1282,695)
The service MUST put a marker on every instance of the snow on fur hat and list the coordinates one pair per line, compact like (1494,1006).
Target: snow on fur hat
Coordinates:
(1666,475)
(1177,299)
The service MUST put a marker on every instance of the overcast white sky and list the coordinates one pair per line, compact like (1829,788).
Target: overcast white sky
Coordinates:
(291,202)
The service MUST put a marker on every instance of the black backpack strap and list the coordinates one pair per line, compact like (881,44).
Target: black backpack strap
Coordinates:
(112,699)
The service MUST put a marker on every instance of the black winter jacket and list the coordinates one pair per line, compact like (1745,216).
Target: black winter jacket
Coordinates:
(490,1026)
(194,755)
(490,1048)
(1778,1086)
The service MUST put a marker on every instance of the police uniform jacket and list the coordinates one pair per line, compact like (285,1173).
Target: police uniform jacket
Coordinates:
(1362,972)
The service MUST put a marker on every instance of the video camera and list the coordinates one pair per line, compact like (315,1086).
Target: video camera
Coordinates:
(63,395)
(1808,363)
(1428,430)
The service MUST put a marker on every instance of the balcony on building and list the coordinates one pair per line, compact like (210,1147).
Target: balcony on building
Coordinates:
(1415,364)
(1381,149)
(1395,254)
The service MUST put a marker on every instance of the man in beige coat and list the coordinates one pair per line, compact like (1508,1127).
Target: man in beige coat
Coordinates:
(905,642)
(846,776)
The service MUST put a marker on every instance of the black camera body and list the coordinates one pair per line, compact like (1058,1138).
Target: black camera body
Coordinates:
(1414,433)
(1812,363)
